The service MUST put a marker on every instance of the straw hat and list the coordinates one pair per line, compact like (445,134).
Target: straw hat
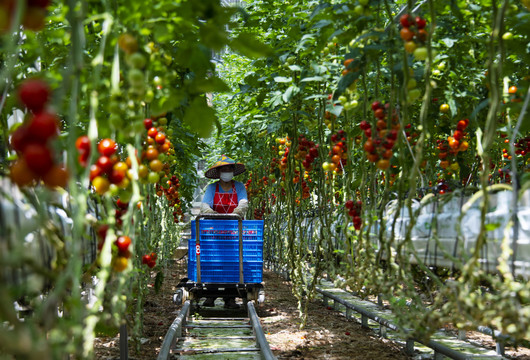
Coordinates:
(213,171)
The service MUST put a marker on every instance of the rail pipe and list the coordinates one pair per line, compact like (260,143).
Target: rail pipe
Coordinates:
(174,330)
(265,350)
(437,347)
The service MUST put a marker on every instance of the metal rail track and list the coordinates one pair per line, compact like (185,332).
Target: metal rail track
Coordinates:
(204,337)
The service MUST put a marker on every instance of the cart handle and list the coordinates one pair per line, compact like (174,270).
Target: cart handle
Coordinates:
(198,235)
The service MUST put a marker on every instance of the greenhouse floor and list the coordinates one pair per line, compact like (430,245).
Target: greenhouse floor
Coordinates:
(327,335)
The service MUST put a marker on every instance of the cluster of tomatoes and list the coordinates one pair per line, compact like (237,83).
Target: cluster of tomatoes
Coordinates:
(355,211)
(259,211)
(307,152)
(33,139)
(338,153)
(284,145)
(32,19)
(523,146)
(172,195)
(108,168)
(120,252)
(157,148)
(149,260)
(414,35)
(379,144)
(452,146)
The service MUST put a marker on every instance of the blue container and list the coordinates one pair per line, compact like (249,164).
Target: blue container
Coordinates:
(219,251)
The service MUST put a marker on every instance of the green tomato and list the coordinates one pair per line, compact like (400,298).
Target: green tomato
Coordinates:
(153,177)
(507,36)
(162,121)
(359,10)
(436,72)
(343,99)
(441,66)
(149,96)
(137,60)
(136,77)
(420,53)
(413,95)
(364,2)
(411,84)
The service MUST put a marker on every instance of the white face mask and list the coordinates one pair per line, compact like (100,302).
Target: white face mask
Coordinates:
(226,176)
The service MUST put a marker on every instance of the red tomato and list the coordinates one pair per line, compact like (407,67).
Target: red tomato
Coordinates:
(82,144)
(107,147)
(105,164)
(376,105)
(95,170)
(406,20)
(349,204)
(34,94)
(151,263)
(379,113)
(152,132)
(420,23)
(406,34)
(148,123)
(43,126)
(34,18)
(146,259)
(160,138)
(20,138)
(38,158)
(123,243)
(116,176)
(20,174)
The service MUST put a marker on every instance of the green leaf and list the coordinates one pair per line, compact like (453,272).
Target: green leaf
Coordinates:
(247,45)
(312,78)
(492,226)
(449,42)
(290,92)
(213,84)
(282,79)
(200,117)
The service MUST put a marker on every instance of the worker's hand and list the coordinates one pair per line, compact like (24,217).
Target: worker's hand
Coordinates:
(206,209)
(241,208)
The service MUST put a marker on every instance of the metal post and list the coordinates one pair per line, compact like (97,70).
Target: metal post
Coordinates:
(198,247)
(462,335)
(124,350)
(499,347)
(364,321)
(348,313)
(241,278)
(325,299)
(409,347)
(379,300)
(382,331)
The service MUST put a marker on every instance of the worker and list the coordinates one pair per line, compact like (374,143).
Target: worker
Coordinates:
(225,196)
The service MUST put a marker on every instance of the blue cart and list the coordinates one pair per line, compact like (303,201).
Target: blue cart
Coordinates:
(224,260)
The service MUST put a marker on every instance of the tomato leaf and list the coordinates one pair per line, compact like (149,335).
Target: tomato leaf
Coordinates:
(247,45)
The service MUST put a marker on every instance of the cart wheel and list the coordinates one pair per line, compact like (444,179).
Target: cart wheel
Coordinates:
(180,296)
(261,297)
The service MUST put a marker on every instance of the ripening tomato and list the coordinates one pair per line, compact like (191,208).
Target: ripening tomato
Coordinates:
(43,126)
(382,164)
(57,176)
(120,263)
(156,165)
(444,108)
(379,113)
(20,174)
(444,164)
(128,43)
(406,34)
(107,147)
(38,158)
(151,153)
(410,46)
(95,170)
(105,163)
(369,146)
(123,243)
(458,135)
(101,185)
(143,171)
(464,145)
(34,94)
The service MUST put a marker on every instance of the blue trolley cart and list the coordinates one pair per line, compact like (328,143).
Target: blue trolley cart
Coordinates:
(225,259)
